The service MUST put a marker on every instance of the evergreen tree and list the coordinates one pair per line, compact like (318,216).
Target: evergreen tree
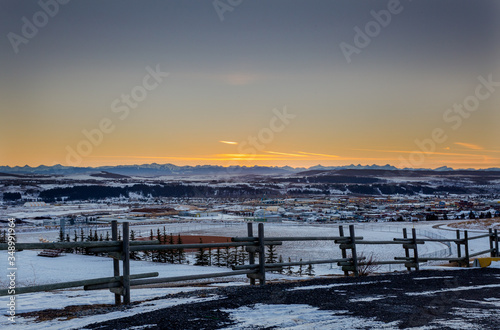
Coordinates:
(82,235)
(289,270)
(218,258)
(157,255)
(75,239)
(181,255)
(301,270)
(309,270)
(226,257)
(96,238)
(231,257)
(171,254)
(68,250)
(201,258)
(133,255)
(242,256)
(271,254)
(107,236)
(209,257)
(472,215)
(280,260)
(61,235)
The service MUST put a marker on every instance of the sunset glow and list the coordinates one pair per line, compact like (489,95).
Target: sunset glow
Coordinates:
(121,82)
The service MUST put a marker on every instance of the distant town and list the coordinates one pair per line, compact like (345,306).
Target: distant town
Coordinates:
(310,196)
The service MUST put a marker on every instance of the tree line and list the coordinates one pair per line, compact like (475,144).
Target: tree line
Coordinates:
(227,256)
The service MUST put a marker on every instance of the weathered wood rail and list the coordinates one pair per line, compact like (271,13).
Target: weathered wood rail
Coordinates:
(256,268)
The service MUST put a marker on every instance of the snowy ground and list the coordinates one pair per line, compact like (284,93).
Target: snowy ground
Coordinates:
(34,270)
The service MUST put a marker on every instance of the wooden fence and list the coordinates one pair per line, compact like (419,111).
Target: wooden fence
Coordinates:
(255,246)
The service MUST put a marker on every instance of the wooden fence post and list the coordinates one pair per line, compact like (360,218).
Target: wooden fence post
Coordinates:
(466,247)
(415,248)
(251,250)
(491,237)
(407,252)
(126,264)
(353,249)
(459,248)
(344,252)
(262,255)
(496,243)
(116,262)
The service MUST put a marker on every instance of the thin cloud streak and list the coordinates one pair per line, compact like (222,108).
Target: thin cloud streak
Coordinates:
(315,154)
(284,154)
(469,146)
(412,151)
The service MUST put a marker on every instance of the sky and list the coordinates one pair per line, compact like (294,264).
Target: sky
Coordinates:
(239,82)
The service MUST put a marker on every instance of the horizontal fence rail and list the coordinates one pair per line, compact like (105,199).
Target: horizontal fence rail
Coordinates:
(255,246)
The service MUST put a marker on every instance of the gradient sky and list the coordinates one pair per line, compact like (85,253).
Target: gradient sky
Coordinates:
(228,78)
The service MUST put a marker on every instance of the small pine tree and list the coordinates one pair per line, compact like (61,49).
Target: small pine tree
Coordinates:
(310,270)
(75,239)
(226,257)
(300,271)
(157,255)
(181,255)
(280,260)
(218,258)
(133,254)
(82,235)
(61,235)
(201,258)
(289,270)
(242,256)
(271,254)
(171,254)
(209,257)
(68,250)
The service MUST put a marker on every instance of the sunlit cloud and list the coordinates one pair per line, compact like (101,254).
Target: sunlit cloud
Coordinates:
(284,154)
(469,146)
(315,154)
(229,142)
(418,151)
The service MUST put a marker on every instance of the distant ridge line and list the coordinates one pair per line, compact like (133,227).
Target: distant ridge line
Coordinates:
(155,169)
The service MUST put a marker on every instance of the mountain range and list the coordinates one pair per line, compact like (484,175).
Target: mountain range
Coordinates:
(149,170)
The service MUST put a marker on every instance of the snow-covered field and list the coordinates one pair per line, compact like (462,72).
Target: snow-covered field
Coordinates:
(34,270)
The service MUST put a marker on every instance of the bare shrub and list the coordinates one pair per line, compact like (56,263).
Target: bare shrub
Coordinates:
(367,266)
